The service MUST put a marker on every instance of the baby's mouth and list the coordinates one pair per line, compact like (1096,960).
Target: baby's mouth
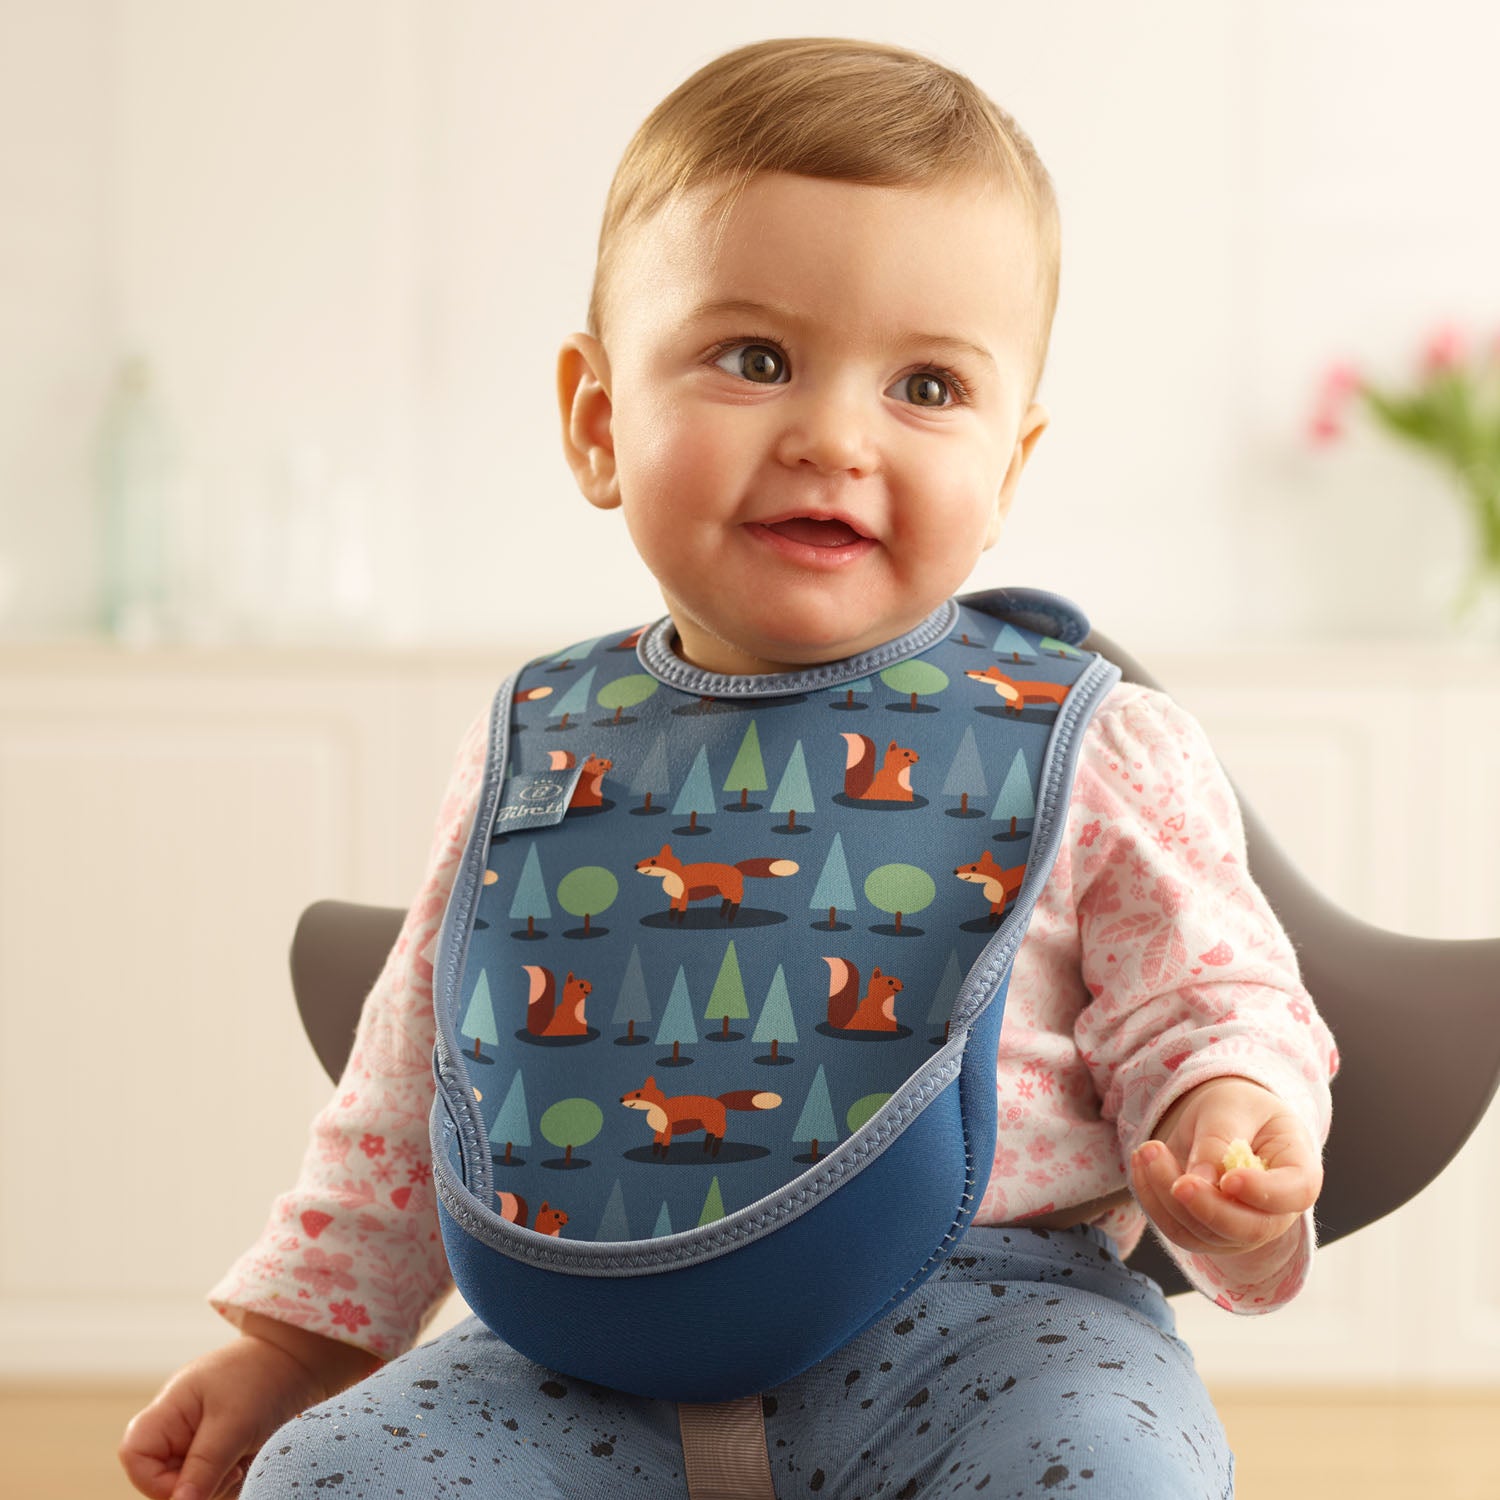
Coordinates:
(813,533)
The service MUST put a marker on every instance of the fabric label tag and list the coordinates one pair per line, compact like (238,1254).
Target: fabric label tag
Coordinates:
(535,800)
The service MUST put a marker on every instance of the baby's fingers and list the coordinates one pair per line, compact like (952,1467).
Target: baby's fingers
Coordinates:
(1278,1190)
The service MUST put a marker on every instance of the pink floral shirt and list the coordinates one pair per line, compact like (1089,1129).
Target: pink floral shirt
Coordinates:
(1152,963)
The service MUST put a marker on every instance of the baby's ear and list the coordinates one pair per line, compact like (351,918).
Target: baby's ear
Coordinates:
(1033,425)
(583,400)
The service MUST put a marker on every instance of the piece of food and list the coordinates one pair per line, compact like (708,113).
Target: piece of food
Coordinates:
(1239,1154)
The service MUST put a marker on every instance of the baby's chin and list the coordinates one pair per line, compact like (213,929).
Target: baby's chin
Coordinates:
(788,641)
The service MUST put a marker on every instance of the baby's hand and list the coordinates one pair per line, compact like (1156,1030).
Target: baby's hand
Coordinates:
(1179,1179)
(195,1441)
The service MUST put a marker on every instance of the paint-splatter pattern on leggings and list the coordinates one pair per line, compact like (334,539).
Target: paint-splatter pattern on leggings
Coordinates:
(1033,1364)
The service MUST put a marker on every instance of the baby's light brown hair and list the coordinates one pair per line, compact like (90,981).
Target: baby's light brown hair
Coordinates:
(830,107)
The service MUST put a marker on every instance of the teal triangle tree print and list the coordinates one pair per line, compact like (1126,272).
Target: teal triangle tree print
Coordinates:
(777,1024)
(816,1125)
(530,900)
(613,1225)
(1015,799)
(512,1125)
(479,1019)
(945,995)
(834,891)
(966,772)
(678,1026)
(794,793)
(697,794)
(663,1223)
(634,1003)
(1011,645)
(575,652)
(652,779)
(575,700)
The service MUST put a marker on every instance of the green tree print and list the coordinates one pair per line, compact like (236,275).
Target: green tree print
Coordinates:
(586,891)
(726,1002)
(713,1205)
(898,889)
(571,1123)
(626,692)
(748,773)
(862,1111)
(916,679)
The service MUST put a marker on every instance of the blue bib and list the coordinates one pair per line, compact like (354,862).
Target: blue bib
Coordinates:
(720,985)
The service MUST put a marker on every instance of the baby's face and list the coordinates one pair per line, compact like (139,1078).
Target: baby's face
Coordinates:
(846,350)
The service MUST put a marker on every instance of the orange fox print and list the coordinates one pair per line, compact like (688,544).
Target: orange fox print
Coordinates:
(1000,886)
(1017,694)
(683,883)
(685,1114)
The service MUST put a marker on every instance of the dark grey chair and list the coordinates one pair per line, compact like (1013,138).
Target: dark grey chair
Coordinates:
(1404,1101)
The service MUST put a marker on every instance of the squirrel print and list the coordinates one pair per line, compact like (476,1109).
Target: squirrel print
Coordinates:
(891,783)
(684,883)
(680,1114)
(548,1220)
(546,1015)
(590,789)
(847,1011)
(1000,886)
(1018,694)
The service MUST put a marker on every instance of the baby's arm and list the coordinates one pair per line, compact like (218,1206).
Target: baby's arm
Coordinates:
(351,1261)
(197,1437)
(353,1251)
(1193,980)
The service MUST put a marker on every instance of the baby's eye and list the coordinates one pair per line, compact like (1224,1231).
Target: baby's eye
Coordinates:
(926,388)
(759,363)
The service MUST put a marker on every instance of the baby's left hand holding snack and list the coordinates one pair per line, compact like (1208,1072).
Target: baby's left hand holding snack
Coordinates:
(1203,1195)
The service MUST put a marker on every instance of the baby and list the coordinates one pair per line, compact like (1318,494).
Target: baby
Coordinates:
(822,305)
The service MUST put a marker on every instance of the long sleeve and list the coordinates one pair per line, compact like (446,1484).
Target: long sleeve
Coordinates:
(353,1251)
(1189,974)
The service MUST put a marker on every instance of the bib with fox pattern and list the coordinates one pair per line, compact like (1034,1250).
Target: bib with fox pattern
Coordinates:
(714,934)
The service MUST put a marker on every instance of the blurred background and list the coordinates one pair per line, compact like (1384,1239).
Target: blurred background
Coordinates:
(282,499)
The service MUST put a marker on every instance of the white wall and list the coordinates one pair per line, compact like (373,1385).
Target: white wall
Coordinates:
(360,228)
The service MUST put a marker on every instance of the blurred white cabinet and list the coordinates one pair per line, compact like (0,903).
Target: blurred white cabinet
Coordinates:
(165,816)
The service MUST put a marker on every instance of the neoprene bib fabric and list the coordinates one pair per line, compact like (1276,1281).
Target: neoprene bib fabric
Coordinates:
(720,985)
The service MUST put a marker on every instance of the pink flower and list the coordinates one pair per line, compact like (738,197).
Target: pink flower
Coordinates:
(1446,349)
(1339,383)
(351,1315)
(323,1272)
(373,1145)
(1089,834)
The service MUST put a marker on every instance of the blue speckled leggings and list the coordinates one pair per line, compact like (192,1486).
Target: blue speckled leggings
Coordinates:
(1033,1364)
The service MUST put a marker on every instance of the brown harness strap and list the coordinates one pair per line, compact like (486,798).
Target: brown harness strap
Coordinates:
(724,1450)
